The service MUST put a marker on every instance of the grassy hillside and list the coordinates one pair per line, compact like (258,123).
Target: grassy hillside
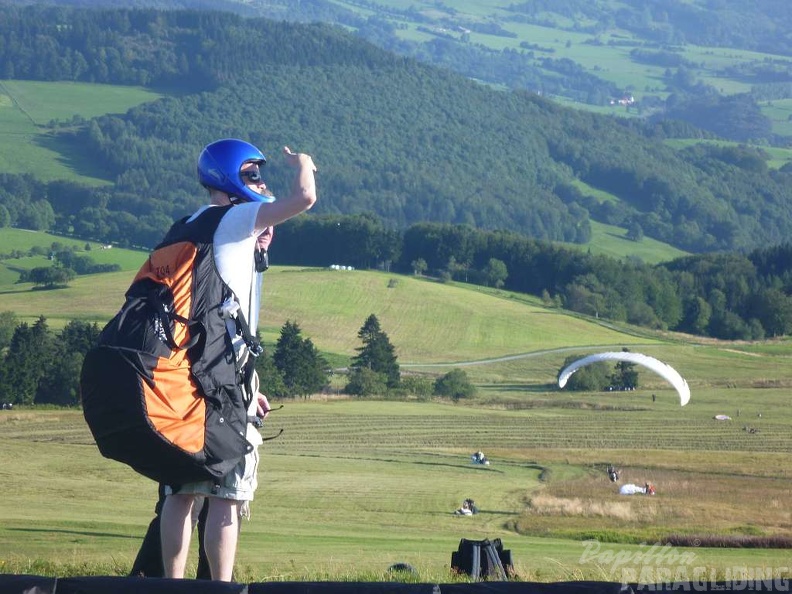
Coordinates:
(22,241)
(473,323)
(506,342)
(30,110)
(332,305)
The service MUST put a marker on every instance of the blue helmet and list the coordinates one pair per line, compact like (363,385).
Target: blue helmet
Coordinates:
(219,164)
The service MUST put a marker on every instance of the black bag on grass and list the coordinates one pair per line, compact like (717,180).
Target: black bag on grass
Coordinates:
(483,560)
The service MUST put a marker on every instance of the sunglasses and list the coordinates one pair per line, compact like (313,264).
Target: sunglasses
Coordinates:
(252,175)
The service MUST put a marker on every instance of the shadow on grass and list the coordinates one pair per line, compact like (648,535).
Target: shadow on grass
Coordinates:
(531,388)
(76,532)
(71,156)
(460,466)
(476,468)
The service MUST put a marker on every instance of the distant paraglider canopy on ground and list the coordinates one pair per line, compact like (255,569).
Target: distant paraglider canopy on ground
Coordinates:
(630,489)
(664,370)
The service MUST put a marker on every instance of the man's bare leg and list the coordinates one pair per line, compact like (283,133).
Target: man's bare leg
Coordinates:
(175,531)
(222,533)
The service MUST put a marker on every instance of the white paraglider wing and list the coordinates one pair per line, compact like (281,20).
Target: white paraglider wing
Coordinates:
(662,369)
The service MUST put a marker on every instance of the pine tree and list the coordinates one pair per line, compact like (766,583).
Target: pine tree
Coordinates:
(625,375)
(377,352)
(60,381)
(26,362)
(302,367)
(270,377)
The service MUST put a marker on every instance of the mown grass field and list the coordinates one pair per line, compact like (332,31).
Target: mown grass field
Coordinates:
(353,486)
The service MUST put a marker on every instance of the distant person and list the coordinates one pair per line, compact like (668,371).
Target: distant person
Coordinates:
(230,235)
(464,509)
(479,458)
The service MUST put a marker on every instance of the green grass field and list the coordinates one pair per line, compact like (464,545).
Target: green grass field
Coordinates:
(780,112)
(353,486)
(609,240)
(28,111)
(340,294)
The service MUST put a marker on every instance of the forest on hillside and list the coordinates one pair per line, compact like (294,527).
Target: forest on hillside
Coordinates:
(655,32)
(393,137)
(420,169)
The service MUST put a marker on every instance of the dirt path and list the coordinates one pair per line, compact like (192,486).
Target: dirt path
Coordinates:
(530,355)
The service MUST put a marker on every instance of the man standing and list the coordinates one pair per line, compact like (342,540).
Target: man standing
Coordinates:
(230,169)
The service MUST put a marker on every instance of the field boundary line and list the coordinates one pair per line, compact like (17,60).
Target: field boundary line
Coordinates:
(16,103)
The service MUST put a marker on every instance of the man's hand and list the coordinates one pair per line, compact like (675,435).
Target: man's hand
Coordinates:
(298,159)
(262,407)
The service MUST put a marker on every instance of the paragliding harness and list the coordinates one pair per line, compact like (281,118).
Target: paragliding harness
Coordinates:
(163,391)
(482,560)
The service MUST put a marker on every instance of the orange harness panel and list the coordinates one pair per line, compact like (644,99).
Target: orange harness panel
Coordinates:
(174,405)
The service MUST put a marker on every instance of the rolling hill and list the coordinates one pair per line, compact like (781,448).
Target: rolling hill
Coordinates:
(629,60)
(634,61)
(492,159)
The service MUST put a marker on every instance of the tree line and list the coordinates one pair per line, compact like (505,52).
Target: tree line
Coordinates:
(42,367)
(489,159)
(722,295)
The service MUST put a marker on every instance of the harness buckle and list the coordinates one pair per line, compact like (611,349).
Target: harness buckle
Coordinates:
(229,308)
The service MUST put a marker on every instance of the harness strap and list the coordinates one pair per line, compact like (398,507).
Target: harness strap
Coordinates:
(165,316)
(253,343)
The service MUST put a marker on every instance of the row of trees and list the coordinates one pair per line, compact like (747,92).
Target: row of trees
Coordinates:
(39,366)
(297,369)
(730,296)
